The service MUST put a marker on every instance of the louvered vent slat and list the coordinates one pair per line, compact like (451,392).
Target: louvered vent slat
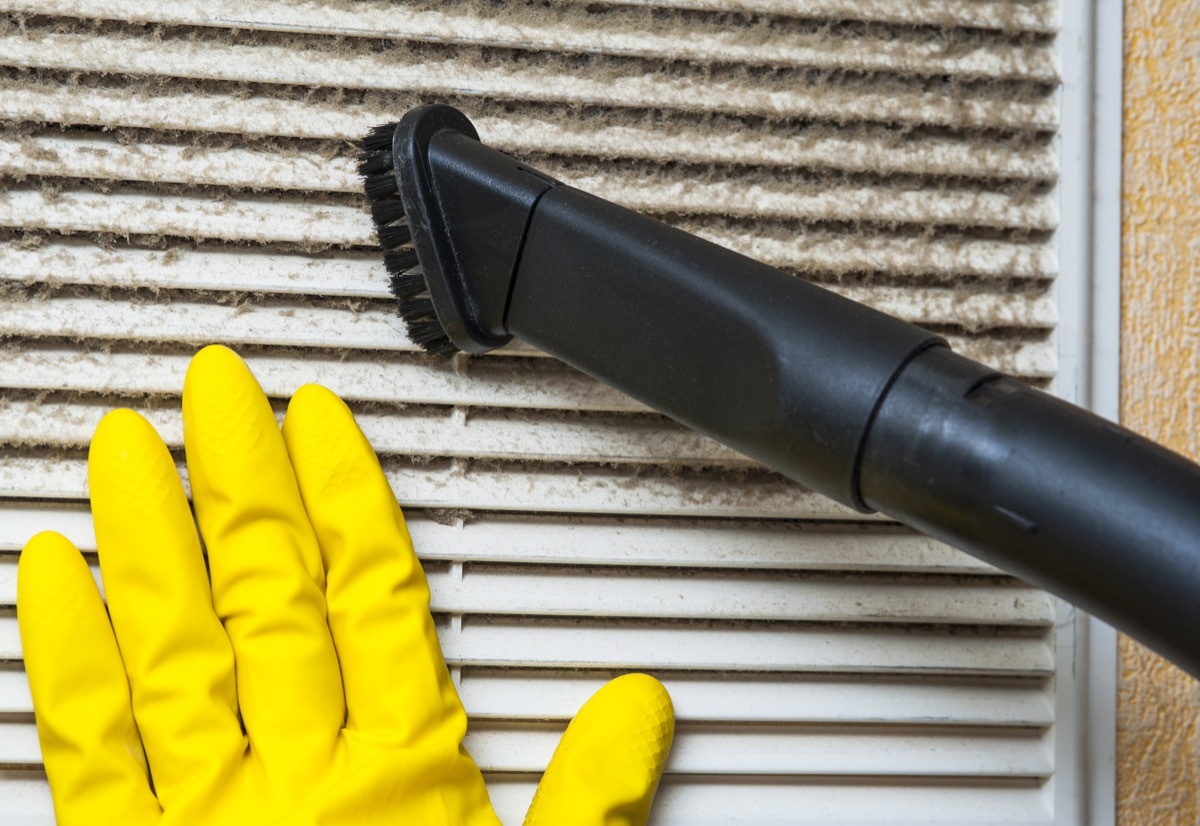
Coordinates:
(724,647)
(493,486)
(627,31)
(780,751)
(572,591)
(686,190)
(182,173)
(541,77)
(424,432)
(671,543)
(732,750)
(748,698)
(684,799)
(690,799)
(979,303)
(242,319)
(292,219)
(66,98)
(395,378)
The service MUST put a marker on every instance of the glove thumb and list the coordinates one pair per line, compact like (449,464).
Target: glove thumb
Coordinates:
(606,768)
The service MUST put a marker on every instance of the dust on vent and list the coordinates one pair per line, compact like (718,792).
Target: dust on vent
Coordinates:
(182,173)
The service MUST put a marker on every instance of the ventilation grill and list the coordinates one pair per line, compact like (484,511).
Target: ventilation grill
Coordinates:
(182,173)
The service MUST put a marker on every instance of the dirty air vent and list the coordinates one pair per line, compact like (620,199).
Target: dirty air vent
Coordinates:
(182,173)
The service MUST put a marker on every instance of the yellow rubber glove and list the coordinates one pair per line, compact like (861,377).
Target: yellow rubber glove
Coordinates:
(298,680)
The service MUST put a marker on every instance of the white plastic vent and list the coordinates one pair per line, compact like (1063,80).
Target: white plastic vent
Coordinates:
(179,173)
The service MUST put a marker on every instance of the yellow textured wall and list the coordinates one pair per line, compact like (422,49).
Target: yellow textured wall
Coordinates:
(1158,738)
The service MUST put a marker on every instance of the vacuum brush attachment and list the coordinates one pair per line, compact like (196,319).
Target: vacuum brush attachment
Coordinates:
(867,409)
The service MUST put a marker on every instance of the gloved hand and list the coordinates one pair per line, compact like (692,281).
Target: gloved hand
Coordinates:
(299,681)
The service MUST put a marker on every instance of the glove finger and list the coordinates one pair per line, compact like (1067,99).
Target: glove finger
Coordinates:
(265,567)
(178,658)
(395,678)
(90,744)
(606,768)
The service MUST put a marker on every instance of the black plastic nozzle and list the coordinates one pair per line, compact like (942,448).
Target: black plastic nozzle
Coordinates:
(867,409)
(468,208)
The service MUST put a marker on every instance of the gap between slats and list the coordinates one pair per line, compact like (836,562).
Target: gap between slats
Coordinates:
(1004,15)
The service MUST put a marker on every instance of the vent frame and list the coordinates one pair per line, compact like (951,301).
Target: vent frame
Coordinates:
(1076,286)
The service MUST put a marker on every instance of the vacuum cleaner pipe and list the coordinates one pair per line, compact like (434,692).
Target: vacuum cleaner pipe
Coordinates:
(870,410)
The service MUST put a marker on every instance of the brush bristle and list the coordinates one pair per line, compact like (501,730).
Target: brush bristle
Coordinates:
(431,337)
(394,236)
(378,187)
(375,163)
(387,212)
(399,258)
(417,308)
(417,311)
(406,285)
(401,261)
(380,137)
